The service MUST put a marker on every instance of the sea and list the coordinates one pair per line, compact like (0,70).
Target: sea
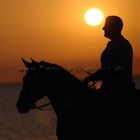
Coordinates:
(34,125)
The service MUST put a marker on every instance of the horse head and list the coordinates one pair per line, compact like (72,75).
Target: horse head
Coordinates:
(28,95)
(41,79)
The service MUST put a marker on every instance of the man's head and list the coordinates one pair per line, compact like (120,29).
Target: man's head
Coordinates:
(113,26)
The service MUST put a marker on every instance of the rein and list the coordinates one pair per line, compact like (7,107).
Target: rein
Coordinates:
(39,107)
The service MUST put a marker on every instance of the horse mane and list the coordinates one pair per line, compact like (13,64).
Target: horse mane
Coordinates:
(45,66)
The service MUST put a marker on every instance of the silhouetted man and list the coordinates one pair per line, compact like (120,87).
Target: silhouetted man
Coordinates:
(116,60)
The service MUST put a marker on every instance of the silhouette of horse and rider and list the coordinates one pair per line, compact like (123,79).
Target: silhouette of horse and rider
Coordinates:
(84,113)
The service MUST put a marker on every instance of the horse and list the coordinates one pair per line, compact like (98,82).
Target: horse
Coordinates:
(81,114)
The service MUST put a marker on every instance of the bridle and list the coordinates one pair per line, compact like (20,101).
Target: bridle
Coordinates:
(42,86)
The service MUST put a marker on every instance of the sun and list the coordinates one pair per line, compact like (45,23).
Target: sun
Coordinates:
(94,17)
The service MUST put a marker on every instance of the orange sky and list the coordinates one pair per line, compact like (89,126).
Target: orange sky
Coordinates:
(55,31)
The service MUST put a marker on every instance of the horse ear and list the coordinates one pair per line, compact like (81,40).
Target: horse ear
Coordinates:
(34,62)
(27,64)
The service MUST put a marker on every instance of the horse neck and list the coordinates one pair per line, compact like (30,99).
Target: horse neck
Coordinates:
(65,96)
(57,99)
(70,91)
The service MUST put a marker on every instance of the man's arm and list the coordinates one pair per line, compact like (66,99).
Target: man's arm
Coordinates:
(104,73)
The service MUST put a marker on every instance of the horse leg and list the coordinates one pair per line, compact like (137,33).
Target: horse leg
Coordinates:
(64,130)
(61,131)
